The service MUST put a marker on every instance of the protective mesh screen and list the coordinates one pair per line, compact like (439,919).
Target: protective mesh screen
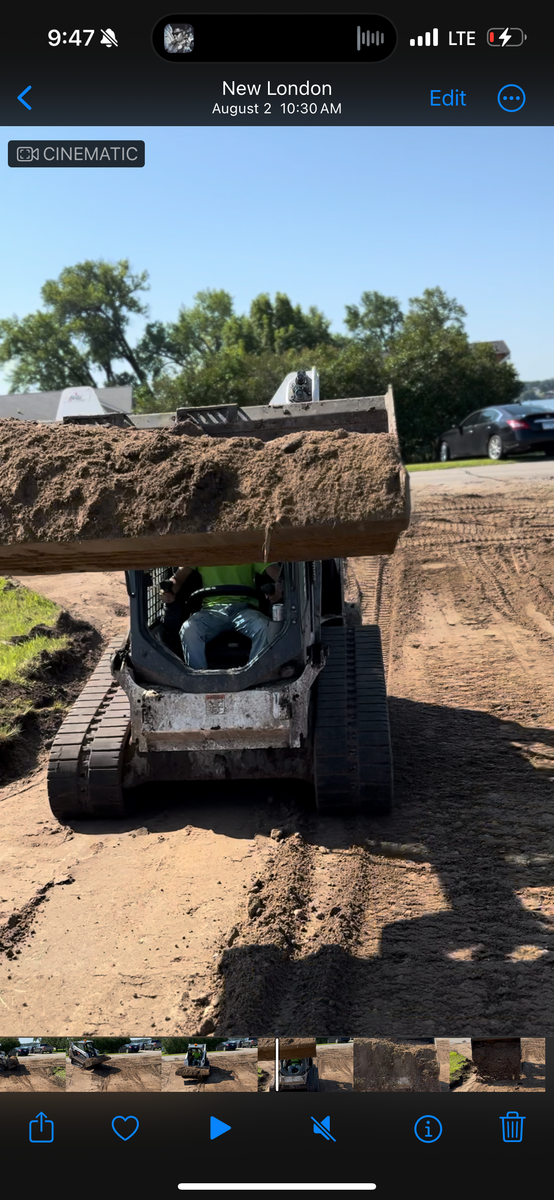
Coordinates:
(154,603)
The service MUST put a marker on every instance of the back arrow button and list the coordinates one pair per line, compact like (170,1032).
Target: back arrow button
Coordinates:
(24,93)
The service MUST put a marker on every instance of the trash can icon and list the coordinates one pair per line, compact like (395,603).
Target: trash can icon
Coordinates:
(512,1127)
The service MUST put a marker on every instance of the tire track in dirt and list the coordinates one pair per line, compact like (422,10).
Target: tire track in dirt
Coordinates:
(386,944)
(372,576)
(32,1079)
(315,899)
(143,1077)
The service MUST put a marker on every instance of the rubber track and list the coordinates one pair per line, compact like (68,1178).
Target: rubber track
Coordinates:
(86,760)
(352,748)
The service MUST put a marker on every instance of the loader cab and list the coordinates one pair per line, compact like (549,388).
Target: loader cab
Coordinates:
(312,597)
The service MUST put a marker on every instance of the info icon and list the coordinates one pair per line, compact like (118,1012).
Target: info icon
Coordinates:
(428,1128)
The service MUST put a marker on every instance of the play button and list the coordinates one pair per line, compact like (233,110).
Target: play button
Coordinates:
(217,1128)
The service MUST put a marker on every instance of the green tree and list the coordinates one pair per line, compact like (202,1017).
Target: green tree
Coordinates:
(83,327)
(106,1045)
(277,326)
(179,1045)
(44,354)
(199,332)
(377,320)
(7,1044)
(432,311)
(438,377)
(235,377)
(94,301)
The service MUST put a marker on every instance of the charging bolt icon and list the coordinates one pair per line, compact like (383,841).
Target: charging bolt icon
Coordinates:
(507,36)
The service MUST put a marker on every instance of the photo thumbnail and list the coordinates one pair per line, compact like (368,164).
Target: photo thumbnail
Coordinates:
(495,1064)
(305,1064)
(111,1064)
(32,1064)
(209,1065)
(178,38)
(397,1065)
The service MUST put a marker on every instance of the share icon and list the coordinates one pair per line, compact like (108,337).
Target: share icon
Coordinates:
(324,1127)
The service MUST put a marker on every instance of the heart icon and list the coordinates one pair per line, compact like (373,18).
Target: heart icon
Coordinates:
(123,1126)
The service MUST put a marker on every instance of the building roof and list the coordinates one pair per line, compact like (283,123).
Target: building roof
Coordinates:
(43,406)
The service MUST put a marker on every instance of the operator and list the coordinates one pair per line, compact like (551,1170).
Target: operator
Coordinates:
(224,612)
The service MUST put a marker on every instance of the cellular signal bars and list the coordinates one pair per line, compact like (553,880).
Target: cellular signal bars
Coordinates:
(424,39)
(368,38)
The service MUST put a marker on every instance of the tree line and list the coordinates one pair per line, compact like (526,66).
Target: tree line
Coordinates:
(213,355)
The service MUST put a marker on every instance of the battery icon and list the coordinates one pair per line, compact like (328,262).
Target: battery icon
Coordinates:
(509,36)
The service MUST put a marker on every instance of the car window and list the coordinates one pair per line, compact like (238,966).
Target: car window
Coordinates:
(490,414)
(471,420)
(540,405)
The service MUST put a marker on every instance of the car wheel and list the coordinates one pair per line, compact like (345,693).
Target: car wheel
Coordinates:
(444,452)
(495,449)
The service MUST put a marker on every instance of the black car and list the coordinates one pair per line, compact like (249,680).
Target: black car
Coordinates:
(504,429)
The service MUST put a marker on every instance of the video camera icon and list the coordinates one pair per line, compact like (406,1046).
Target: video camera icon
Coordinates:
(27,153)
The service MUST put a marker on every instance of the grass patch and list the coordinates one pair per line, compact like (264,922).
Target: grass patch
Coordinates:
(60,1072)
(20,609)
(16,660)
(475,462)
(460,1068)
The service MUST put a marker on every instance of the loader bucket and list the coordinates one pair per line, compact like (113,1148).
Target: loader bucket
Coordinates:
(98,1061)
(303,482)
(192,1072)
(288,1048)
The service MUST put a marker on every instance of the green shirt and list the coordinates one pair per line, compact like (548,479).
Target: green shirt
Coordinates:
(243,574)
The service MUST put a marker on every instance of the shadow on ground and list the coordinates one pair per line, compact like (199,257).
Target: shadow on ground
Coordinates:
(477,791)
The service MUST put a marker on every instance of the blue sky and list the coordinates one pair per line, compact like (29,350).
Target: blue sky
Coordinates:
(321,214)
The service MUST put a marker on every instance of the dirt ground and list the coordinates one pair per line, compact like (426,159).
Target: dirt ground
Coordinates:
(436,918)
(336,1067)
(230,1071)
(124,1073)
(39,1073)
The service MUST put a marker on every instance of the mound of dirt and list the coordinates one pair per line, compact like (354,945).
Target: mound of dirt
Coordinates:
(61,483)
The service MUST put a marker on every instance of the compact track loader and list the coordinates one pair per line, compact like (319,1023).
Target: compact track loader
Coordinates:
(312,706)
(196,1064)
(84,1054)
(9,1061)
(297,1070)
